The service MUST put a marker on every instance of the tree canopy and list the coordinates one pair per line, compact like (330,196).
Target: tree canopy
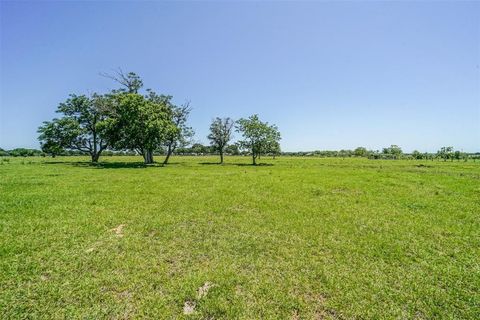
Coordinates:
(138,123)
(258,137)
(182,134)
(79,128)
(220,134)
(394,151)
(125,120)
(122,119)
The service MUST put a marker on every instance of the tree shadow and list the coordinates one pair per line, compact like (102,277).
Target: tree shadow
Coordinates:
(254,165)
(126,165)
(236,164)
(140,165)
(107,165)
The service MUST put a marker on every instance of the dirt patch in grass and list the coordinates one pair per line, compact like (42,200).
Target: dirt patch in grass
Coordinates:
(118,230)
(203,290)
(189,307)
(295,315)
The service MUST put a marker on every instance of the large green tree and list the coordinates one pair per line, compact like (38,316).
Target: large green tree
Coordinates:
(146,123)
(220,134)
(138,123)
(258,137)
(79,127)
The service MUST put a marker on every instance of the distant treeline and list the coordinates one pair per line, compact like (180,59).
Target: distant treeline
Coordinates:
(197,149)
(391,153)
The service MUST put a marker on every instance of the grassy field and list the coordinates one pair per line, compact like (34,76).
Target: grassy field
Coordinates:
(300,238)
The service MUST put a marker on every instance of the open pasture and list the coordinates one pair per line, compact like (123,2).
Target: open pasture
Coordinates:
(295,238)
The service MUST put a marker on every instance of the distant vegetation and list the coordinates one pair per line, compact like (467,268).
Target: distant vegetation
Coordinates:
(198,149)
(393,152)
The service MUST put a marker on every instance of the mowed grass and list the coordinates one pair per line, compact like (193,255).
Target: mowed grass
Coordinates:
(301,238)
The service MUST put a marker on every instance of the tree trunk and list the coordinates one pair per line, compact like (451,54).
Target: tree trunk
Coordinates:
(95,157)
(169,153)
(95,154)
(221,157)
(254,158)
(148,156)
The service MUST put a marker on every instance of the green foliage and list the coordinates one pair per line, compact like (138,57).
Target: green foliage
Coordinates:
(258,137)
(417,155)
(445,153)
(182,134)
(394,151)
(232,149)
(132,82)
(57,134)
(21,152)
(79,128)
(50,146)
(139,123)
(220,134)
(198,149)
(361,152)
(3,153)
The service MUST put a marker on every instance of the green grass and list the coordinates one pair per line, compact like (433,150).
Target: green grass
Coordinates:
(302,238)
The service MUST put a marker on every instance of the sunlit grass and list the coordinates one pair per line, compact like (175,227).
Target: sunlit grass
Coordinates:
(300,238)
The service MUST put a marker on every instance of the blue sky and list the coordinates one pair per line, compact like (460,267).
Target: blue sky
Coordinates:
(330,75)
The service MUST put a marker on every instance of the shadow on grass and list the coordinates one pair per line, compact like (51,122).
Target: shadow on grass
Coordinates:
(236,164)
(107,165)
(136,165)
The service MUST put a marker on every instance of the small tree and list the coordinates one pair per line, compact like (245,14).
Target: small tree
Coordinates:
(3,153)
(79,128)
(49,137)
(458,155)
(445,153)
(360,152)
(258,137)
(181,135)
(220,134)
(232,149)
(274,148)
(394,151)
(417,155)
(344,153)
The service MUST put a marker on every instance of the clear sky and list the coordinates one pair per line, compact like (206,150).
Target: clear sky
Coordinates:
(331,75)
